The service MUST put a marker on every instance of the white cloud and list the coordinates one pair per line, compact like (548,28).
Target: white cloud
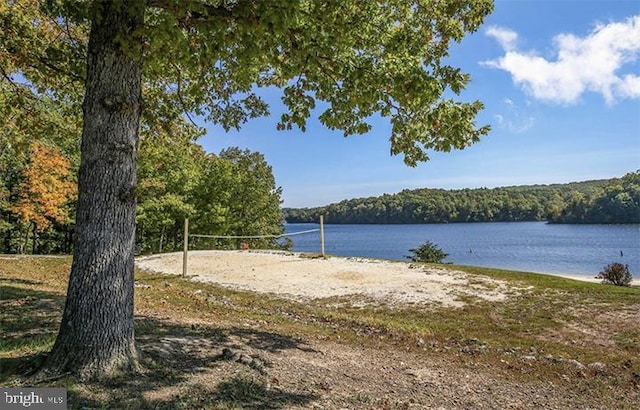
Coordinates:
(587,64)
(514,120)
(516,125)
(630,86)
(506,37)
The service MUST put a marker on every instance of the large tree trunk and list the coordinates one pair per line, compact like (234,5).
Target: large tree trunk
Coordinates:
(96,335)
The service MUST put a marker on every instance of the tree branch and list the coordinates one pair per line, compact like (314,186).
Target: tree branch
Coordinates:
(193,14)
(51,66)
(180,99)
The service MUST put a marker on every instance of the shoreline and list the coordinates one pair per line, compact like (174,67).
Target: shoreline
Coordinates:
(301,277)
(366,259)
(634,282)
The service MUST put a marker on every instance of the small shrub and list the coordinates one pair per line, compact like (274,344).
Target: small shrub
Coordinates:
(427,252)
(616,274)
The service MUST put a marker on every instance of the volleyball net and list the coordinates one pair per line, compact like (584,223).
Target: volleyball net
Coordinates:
(243,242)
(194,235)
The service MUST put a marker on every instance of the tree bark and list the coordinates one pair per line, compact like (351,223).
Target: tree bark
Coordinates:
(161,239)
(34,245)
(25,243)
(96,336)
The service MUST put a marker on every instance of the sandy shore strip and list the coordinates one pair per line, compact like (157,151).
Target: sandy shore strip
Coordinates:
(299,277)
(593,279)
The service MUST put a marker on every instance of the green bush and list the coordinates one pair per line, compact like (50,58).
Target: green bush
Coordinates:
(427,252)
(616,274)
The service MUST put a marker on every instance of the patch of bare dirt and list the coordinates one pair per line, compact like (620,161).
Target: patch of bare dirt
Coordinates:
(257,369)
(597,326)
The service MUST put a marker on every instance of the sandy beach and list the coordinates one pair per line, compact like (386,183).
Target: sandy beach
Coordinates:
(299,277)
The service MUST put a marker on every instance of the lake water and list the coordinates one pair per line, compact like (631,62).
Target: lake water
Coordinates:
(525,246)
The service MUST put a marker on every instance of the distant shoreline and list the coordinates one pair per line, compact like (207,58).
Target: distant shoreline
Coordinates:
(464,222)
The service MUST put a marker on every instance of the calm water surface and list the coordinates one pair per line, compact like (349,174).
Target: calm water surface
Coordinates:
(526,246)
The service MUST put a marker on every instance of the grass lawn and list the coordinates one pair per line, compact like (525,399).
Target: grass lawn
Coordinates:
(554,343)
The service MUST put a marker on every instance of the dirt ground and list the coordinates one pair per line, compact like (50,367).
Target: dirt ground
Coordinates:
(293,373)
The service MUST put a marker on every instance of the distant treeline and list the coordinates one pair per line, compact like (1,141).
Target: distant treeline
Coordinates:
(614,201)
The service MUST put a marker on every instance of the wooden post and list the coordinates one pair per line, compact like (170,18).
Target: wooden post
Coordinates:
(186,247)
(322,235)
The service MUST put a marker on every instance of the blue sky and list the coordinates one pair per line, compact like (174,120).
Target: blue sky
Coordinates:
(560,81)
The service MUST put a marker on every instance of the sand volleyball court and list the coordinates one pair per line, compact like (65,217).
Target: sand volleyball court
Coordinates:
(300,277)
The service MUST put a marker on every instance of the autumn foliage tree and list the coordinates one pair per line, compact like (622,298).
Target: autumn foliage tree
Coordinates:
(45,191)
(40,94)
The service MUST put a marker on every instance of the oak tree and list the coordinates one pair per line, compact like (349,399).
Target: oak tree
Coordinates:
(206,57)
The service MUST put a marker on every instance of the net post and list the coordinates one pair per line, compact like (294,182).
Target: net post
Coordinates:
(322,235)
(186,247)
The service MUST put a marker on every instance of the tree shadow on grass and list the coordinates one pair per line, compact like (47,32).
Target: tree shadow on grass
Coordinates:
(183,365)
(27,308)
(245,392)
(269,341)
(29,323)
(21,281)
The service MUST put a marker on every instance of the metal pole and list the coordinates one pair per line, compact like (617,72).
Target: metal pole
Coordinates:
(186,247)
(322,235)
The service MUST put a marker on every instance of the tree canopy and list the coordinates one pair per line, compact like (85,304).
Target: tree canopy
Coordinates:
(206,58)
(231,193)
(618,202)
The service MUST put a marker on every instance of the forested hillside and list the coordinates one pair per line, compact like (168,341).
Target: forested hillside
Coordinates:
(602,201)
